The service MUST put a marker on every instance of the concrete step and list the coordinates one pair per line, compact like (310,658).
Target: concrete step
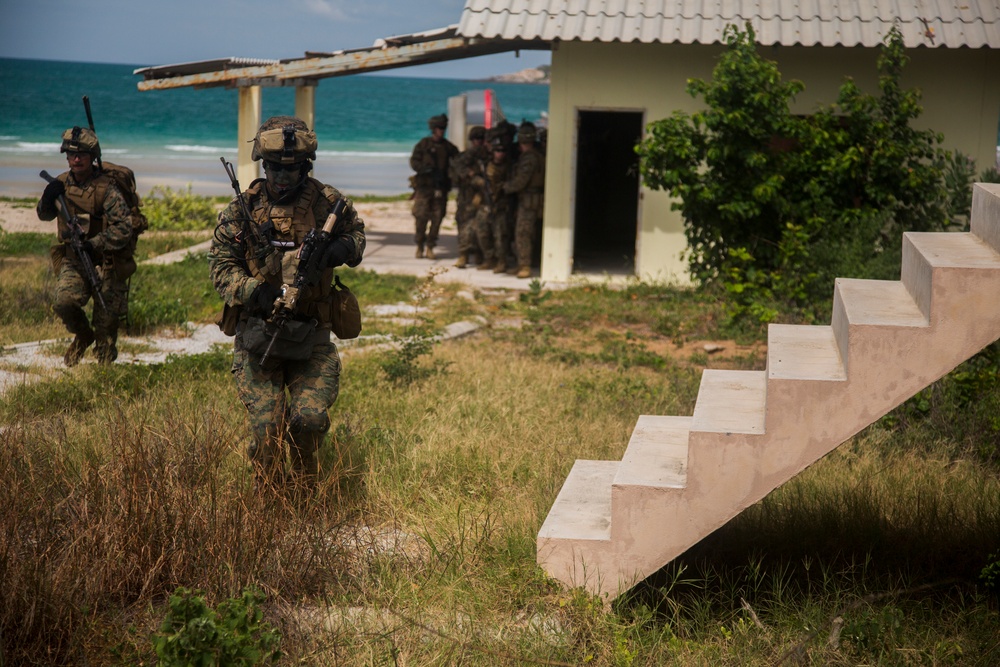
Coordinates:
(871,304)
(582,510)
(657,453)
(730,402)
(799,352)
(985,221)
(955,256)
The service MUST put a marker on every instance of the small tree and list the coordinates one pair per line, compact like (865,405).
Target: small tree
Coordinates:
(776,205)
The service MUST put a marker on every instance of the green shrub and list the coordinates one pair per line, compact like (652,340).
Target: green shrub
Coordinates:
(168,210)
(776,205)
(233,634)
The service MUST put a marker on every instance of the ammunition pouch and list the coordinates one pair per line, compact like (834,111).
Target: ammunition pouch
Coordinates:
(345,314)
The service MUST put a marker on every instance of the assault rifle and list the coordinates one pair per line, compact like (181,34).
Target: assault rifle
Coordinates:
(76,242)
(308,269)
(90,121)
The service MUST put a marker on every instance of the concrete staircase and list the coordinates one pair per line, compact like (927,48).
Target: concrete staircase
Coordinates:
(616,522)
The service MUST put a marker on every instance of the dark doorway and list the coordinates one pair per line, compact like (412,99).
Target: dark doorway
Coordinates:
(606,219)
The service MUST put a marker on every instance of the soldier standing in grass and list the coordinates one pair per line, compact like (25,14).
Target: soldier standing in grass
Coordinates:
(105,219)
(287,397)
(527,182)
(464,168)
(430,160)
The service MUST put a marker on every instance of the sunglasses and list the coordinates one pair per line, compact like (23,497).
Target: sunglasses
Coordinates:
(277,166)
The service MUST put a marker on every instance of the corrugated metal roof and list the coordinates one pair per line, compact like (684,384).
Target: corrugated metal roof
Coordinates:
(931,23)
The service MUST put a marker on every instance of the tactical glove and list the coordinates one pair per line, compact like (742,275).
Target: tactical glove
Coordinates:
(336,254)
(262,299)
(52,192)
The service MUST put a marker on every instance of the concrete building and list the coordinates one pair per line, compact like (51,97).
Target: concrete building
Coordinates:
(618,65)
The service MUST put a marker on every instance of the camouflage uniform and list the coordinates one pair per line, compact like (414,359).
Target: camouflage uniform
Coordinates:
(527,183)
(430,160)
(463,169)
(107,224)
(242,256)
(491,221)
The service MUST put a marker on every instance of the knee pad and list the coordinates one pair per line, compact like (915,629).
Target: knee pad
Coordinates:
(315,422)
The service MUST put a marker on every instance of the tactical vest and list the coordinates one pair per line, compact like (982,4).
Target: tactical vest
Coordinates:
(85,201)
(285,225)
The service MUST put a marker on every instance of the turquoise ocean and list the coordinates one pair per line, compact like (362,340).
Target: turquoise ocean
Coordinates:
(366,125)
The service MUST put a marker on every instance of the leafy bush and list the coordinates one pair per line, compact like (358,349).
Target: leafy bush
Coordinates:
(233,634)
(775,205)
(178,211)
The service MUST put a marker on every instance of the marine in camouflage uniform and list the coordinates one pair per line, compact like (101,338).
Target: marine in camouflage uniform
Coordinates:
(106,220)
(527,182)
(249,261)
(491,218)
(430,160)
(463,169)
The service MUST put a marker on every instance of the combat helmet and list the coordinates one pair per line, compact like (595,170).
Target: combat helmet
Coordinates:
(80,140)
(285,140)
(526,132)
(441,120)
(477,132)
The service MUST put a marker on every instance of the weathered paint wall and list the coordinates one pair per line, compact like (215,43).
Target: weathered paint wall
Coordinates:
(961,99)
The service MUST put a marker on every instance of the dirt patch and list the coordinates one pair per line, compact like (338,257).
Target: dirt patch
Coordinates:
(19,218)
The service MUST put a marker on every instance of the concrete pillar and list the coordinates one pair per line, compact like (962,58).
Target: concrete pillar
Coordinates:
(249,120)
(305,103)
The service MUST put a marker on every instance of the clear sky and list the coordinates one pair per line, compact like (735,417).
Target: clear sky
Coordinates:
(161,32)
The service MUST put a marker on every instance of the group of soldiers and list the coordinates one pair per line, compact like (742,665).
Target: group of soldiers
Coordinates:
(287,369)
(500,181)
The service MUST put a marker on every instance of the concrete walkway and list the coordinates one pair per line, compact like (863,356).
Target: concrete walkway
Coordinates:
(392,251)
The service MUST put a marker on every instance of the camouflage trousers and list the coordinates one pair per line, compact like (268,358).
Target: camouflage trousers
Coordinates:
(428,210)
(73,291)
(529,212)
(466,209)
(287,403)
(491,233)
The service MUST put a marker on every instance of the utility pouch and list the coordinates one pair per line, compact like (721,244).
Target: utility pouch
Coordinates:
(295,342)
(345,315)
(229,319)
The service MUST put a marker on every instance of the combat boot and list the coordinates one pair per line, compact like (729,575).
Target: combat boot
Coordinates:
(420,250)
(501,267)
(524,272)
(74,353)
(106,352)
(463,261)
(487,265)
(304,462)
(430,253)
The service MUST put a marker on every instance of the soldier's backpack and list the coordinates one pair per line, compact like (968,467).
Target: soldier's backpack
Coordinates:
(124,178)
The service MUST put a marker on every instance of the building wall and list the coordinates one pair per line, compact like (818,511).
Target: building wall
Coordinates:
(961,99)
